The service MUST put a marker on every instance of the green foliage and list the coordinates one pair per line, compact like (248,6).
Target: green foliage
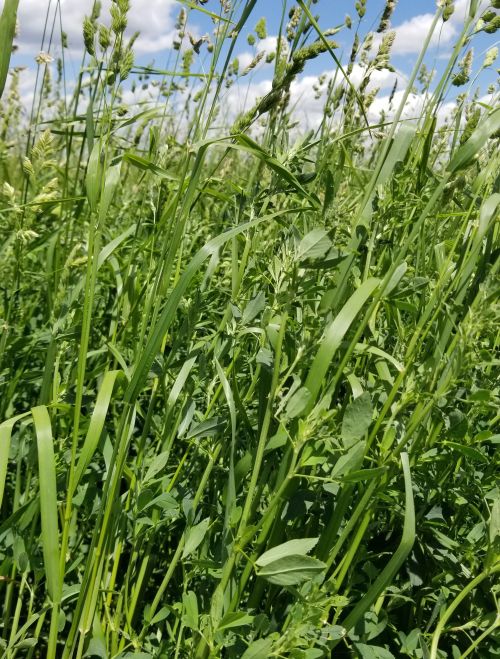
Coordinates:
(248,376)
(7,31)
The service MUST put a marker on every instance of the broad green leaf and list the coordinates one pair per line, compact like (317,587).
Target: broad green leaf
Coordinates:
(311,653)
(494,528)
(165,501)
(373,651)
(205,428)
(350,461)
(314,245)
(291,570)
(237,619)
(458,424)
(253,308)
(158,463)
(162,614)
(278,440)
(299,401)
(190,606)
(259,649)
(300,546)
(195,537)
(357,419)
(397,276)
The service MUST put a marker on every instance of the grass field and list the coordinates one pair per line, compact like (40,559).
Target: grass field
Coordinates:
(249,381)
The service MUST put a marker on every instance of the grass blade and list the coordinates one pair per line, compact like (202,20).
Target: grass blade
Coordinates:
(387,575)
(48,500)
(7,30)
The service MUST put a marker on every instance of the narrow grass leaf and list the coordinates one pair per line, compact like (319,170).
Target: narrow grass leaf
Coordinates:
(231,483)
(48,500)
(466,153)
(96,423)
(399,148)
(111,181)
(7,30)
(147,166)
(385,578)
(93,181)
(5,438)
(302,402)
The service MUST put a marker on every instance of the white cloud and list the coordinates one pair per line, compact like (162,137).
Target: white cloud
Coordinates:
(267,45)
(240,96)
(384,79)
(307,108)
(152,18)
(245,58)
(411,34)
(27,79)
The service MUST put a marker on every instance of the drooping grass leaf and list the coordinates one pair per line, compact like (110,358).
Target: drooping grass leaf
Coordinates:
(48,500)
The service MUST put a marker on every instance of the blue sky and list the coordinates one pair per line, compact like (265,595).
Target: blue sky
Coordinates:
(155,19)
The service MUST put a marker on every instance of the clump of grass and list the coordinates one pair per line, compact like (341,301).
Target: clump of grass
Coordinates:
(249,384)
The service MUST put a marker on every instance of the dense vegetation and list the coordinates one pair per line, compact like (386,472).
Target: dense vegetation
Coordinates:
(249,375)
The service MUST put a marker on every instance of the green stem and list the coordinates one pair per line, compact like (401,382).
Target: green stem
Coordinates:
(456,602)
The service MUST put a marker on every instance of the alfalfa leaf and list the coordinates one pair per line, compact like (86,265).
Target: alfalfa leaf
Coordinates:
(357,419)
(195,537)
(300,546)
(314,245)
(291,570)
